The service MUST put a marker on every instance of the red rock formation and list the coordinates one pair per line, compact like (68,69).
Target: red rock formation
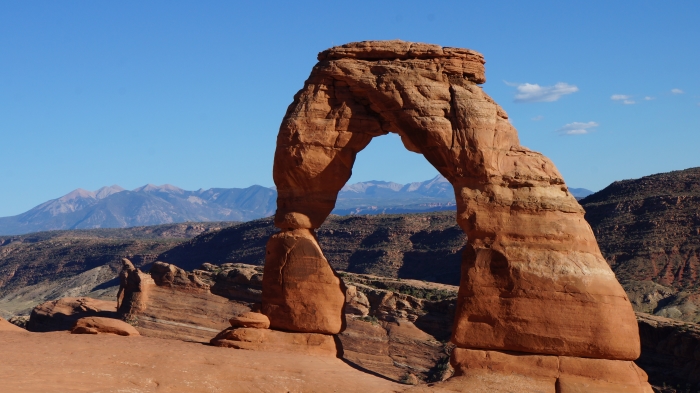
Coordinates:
(277,341)
(533,277)
(250,320)
(172,303)
(301,292)
(100,325)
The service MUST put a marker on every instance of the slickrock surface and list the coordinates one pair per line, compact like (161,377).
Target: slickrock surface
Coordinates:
(47,363)
(9,327)
(100,325)
(62,314)
(533,277)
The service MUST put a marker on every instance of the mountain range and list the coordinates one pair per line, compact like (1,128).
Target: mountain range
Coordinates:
(115,207)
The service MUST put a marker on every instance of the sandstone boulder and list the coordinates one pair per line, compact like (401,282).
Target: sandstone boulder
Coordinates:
(100,325)
(62,314)
(276,341)
(254,320)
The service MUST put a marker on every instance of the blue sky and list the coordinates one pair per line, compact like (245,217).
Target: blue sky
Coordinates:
(192,93)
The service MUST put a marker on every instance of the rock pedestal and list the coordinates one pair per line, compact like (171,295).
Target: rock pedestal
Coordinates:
(250,331)
(533,278)
(301,292)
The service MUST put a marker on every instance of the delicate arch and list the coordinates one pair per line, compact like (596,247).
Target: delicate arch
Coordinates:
(533,278)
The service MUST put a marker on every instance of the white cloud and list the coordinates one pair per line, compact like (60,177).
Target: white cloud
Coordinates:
(538,118)
(648,98)
(578,128)
(529,92)
(627,100)
(676,91)
(619,97)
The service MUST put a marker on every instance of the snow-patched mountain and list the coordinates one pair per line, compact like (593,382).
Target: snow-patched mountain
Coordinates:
(115,207)
(377,197)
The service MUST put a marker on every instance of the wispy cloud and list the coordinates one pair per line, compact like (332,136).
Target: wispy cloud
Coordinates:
(677,91)
(578,128)
(529,92)
(648,98)
(625,99)
(538,118)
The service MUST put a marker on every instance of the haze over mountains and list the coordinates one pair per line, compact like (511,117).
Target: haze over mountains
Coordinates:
(115,207)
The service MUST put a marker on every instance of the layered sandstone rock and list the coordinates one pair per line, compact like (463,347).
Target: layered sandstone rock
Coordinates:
(533,278)
(173,303)
(250,320)
(100,325)
(277,341)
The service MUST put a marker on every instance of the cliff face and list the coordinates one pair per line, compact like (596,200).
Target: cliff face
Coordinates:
(649,231)
(424,246)
(670,351)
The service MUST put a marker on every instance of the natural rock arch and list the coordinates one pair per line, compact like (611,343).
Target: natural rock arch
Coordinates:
(533,278)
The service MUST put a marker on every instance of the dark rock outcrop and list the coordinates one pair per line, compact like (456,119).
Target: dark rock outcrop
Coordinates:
(649,231)
(62,314)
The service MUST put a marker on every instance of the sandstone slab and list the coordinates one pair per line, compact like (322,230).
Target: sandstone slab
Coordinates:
(100,325)
(6,326)
(277,341)
(56,362)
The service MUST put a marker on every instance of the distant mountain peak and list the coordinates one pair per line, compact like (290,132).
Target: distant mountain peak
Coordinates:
(78,193)
(363,186)
(106,191)
(163,188)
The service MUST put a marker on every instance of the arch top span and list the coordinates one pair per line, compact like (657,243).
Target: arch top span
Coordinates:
(427,94)
(533,278)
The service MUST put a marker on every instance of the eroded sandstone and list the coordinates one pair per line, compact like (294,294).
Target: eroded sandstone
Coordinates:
(533,278)
(101,325)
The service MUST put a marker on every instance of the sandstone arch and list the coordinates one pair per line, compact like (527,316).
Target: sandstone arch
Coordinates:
(533,278)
